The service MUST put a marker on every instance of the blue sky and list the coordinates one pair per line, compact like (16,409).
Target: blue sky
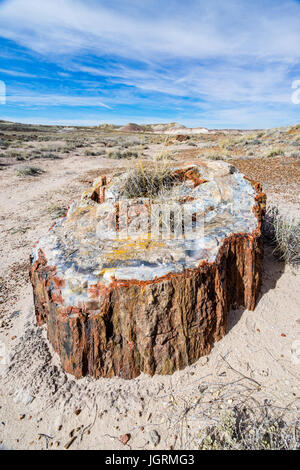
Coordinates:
(202,63)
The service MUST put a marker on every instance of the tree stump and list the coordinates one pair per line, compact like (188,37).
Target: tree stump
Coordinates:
(129,285)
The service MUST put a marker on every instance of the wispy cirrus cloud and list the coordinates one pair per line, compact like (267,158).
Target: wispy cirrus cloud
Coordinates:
(16,73)
(55,100)
(186,30)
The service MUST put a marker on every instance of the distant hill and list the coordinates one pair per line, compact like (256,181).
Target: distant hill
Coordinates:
(132,127)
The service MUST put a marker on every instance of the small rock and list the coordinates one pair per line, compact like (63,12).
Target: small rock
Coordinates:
(77,412)
(21,417)
(15,313)
(154,437)
(125,438)
(203,360)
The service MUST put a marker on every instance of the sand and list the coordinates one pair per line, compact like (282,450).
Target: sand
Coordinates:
(42,407)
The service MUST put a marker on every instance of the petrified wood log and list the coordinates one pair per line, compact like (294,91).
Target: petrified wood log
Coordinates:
(120,298)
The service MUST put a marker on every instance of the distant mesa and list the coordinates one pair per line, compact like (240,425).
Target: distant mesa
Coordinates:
(172,128)
(132,127)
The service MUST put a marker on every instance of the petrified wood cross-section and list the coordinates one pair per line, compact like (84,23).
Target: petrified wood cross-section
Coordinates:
(130,285)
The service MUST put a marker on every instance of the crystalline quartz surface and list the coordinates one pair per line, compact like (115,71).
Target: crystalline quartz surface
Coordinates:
(86,248)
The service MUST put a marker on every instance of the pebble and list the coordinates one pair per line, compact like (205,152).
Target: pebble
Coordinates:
(21,416)
(154,437)
(125,438)
(203,360)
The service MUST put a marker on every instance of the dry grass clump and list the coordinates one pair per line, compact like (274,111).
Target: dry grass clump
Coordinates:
(243,429)
(284,234)
(29,171)
(148,183)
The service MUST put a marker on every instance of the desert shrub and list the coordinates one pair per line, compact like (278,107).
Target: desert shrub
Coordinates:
(275,153)
(243,429)
(90,153)
(284,234)
(51,156)
(118,154)
(215,157)
(68,148)
(4,144)
(12,154)
(93,153)
(29,171)
(110,143)
(79,144)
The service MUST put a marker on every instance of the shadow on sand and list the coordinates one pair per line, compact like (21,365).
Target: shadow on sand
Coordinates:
(272,271)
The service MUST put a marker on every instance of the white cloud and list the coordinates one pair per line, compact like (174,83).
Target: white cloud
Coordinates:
(16,73)
(54,100)
(270,83)
(256,28)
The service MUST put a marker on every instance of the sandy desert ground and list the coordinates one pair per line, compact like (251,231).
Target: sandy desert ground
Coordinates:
(255,364)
